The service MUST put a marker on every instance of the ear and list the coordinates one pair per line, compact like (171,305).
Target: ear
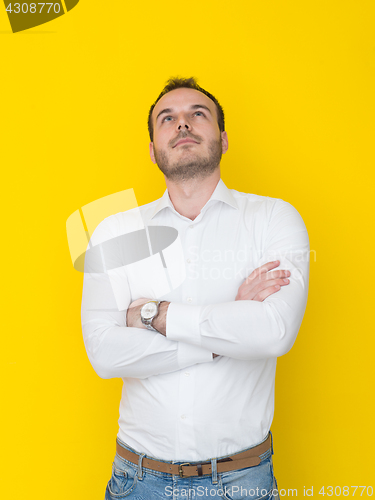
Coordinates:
(152,152)
(224,142)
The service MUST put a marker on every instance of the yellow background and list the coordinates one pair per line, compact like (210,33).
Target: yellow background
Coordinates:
(296,80)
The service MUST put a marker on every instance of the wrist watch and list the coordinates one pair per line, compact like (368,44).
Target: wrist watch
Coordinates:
(149,311)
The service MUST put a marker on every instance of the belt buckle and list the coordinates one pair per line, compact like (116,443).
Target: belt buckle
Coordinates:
(180,471)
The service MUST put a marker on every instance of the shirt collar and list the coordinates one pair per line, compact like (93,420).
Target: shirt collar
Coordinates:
(221,193)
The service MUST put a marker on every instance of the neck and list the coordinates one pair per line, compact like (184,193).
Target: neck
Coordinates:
(190,196)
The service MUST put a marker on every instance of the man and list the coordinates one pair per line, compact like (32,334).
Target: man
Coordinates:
(199,361)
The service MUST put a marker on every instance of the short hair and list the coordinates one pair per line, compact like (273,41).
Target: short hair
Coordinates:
(189,83)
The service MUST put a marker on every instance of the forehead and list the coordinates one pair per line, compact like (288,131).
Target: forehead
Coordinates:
(181,99)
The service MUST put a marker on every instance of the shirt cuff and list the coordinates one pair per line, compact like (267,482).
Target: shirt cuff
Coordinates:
(183,323)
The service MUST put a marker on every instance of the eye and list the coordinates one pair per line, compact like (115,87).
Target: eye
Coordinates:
(166,118)
(200,112)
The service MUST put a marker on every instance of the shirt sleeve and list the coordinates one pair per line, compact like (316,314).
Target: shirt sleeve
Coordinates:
(247,329)
(114,349)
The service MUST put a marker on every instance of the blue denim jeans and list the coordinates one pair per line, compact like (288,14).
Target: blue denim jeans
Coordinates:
(133,482)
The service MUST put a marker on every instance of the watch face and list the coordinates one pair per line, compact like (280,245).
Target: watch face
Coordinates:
(149,310)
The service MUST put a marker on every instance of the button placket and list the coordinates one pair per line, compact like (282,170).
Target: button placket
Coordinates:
(186,389)
(185,404)
(189,291)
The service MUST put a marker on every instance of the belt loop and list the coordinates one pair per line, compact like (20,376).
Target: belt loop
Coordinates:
(214,470)
(271,443)
(140,472)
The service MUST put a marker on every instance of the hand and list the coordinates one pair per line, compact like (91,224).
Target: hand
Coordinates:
(261,284)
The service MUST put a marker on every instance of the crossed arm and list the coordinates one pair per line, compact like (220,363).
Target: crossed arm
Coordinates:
(258,286)
(262,321)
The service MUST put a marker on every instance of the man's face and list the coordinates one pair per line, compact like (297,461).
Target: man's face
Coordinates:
(187,141)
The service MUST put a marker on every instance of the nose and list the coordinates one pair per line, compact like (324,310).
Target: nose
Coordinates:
(183,123)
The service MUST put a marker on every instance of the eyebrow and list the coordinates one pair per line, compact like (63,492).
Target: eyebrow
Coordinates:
(192,107)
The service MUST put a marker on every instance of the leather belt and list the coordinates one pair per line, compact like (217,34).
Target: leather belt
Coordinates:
(244,459)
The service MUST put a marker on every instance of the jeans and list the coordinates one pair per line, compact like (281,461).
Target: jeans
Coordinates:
(133,482)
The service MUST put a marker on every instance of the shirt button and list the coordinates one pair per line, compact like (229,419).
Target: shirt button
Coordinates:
(188,261)
(183,417)
(189,299)
(187,374)
(191,227)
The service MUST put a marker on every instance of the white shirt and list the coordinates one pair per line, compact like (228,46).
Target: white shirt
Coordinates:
(178,402)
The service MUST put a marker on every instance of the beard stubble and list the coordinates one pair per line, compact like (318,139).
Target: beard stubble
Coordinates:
(192,166)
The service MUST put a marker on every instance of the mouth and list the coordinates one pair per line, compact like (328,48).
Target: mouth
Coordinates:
(185,141)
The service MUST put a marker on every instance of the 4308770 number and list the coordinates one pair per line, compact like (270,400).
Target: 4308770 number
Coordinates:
(33,8)
(346,491)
